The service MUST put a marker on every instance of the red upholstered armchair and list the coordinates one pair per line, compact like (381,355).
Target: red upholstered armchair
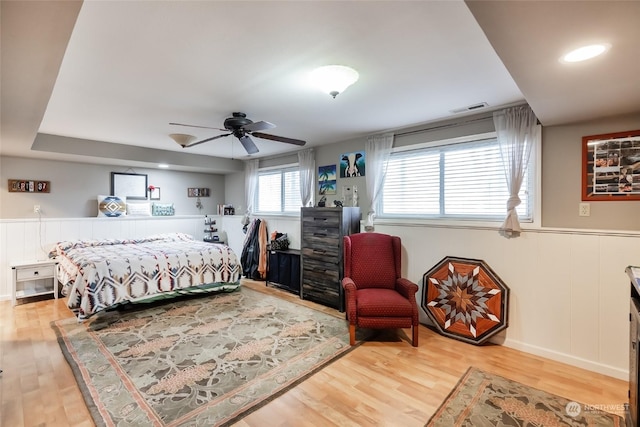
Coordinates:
(377,297)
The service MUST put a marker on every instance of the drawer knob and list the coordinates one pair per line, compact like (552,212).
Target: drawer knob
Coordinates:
(35,273)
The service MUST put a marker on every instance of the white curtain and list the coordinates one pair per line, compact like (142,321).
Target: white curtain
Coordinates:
(517,134)
(377,150)
(307,165)
(250,186)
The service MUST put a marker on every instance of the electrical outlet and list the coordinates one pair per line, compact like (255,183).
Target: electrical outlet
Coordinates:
(584,209)
(36,208)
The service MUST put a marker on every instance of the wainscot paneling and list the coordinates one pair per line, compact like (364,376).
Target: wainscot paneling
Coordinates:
(31,239)
(569,292)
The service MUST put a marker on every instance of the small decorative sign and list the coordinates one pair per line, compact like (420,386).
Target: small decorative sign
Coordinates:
(197,192)
(29,186)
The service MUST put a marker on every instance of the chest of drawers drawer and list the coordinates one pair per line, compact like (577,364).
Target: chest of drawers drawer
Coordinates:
(326,253)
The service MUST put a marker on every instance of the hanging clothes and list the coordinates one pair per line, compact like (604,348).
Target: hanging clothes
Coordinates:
(254,251)
(262,259)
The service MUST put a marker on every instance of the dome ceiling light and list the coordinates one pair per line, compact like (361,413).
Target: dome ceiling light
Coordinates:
(334,79)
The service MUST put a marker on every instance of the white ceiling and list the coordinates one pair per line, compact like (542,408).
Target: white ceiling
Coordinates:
(130,68)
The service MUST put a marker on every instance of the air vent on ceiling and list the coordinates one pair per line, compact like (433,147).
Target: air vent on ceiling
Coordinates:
(470,108)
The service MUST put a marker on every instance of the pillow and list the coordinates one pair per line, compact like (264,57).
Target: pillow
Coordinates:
(111,206)
(138,208)
(163,209)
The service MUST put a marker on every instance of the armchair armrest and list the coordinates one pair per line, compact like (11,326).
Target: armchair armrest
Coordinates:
(350,299)
(406,288)
(348,284)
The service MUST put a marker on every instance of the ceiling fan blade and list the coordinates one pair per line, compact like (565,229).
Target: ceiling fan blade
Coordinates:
(206,140)
(195,126)
(261,125)
(248,144)
(279,138)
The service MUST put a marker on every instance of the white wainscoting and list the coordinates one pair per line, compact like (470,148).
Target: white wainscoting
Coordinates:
(569,296)
(31,239)
(569,292)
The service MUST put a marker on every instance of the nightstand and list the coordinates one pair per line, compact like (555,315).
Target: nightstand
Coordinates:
(32,279)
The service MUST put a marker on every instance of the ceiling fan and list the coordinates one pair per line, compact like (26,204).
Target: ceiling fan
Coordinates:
(241,127)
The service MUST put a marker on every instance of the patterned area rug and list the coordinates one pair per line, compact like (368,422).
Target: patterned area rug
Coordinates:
(204,361)
(484,399)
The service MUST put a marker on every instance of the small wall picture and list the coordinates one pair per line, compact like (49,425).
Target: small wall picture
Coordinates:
(327,179)
(154,193)
(352,164)
(197,192)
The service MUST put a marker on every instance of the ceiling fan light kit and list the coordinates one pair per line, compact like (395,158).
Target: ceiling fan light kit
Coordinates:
(334,79)
(239,126)
(182,138)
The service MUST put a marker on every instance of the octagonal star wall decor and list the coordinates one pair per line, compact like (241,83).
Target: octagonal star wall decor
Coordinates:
(465,299)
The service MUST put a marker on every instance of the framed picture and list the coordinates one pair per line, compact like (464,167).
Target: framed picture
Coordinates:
(198,192)
(129,185)
(611,166)
(352,164)
(327,179)
(154,193)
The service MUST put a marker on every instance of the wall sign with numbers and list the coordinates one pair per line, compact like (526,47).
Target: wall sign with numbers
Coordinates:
(29,186)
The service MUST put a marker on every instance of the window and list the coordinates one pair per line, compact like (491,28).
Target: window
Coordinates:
(462,180)
(278,190)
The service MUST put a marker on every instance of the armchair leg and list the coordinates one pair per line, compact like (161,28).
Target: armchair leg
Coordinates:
(352,334)
(414,329)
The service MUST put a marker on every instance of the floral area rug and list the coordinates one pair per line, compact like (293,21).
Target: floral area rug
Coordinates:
(481,399)
(204,361)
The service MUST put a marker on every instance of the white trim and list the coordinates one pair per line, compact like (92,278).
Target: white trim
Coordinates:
(600,368)
(112,219)
(537,202)
(450,141)
(477,225)
(278,167)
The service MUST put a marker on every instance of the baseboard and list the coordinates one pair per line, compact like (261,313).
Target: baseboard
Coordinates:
(579,362)
(5,297)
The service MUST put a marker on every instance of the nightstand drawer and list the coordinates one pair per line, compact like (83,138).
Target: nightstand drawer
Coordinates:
(36,272)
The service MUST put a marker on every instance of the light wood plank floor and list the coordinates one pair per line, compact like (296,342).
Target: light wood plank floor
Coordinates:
(384,382)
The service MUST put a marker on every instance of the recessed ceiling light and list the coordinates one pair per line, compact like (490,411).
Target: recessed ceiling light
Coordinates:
(585,52)
(163,165)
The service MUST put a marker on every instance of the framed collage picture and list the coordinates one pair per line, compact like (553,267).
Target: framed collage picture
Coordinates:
(611,166)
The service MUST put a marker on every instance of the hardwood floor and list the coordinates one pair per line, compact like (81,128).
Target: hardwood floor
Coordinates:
(383,382)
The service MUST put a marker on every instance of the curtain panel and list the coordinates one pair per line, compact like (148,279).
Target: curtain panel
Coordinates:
(250,186)
(378,151)
(307,166)
(517,132)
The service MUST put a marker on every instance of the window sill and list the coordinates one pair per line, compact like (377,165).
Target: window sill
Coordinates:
(448,223)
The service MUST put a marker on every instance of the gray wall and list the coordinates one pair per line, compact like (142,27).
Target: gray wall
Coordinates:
(561,169)
(562,178)
(75,186)
(331,154)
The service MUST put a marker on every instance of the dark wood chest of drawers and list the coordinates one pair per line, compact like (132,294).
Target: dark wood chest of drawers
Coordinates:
(321,248)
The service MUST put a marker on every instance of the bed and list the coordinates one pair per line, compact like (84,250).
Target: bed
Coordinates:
(99,274)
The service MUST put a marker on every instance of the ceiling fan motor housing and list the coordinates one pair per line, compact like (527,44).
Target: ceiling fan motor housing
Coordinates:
(236,122)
